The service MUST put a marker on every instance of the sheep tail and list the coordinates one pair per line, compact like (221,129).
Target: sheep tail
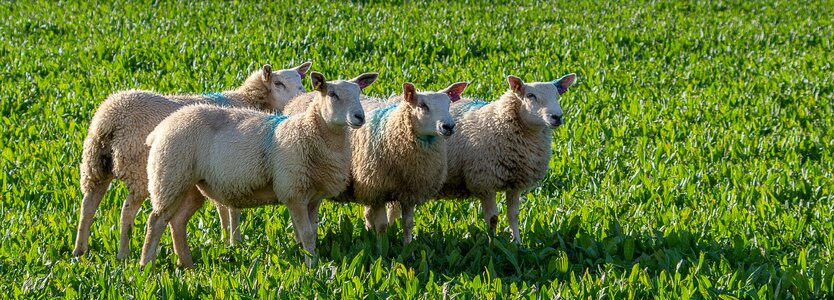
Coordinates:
(97,155)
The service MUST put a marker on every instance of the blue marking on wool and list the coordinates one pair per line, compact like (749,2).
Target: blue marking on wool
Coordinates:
(427,140)
(272,121)
(218,98)
(474,104)
(378,119)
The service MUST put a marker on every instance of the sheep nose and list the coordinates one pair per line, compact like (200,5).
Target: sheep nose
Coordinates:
(448,129)
(359,118)
(556,120)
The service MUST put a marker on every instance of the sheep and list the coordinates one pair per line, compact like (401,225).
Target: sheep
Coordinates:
(114,147)
(400,154)
(244,158)
(503,146)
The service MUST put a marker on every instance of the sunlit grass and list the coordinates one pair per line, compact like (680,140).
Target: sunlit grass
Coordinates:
(696,159)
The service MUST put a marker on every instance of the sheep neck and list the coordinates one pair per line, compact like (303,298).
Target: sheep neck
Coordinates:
(508,112)
(334,135)
(402,129)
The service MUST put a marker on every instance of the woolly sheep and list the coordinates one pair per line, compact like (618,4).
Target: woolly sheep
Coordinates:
(400,154)
(504,145)
(115,149)
(244,158)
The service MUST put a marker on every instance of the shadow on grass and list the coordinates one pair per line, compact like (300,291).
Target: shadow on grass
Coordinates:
(545,256)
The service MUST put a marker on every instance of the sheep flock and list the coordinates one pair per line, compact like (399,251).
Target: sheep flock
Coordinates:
(271,142)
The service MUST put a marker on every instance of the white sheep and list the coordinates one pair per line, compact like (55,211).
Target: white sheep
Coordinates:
(115,144)
(504,146)
(400,155)
(245,158)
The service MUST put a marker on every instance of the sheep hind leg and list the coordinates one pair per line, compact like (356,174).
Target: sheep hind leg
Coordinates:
(193,201)
(313,212)
(490,211)
(223,212)
(153,233)
(304,232)
(127,219)
(512,213)
(91,201)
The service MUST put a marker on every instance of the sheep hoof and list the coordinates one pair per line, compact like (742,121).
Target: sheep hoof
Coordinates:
(78,252)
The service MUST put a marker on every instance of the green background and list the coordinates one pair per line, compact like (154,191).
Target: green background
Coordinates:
(695,160)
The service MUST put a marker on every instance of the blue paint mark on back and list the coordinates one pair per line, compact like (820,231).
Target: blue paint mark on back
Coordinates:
(470,105)
(378,119)
(218,98)
(272,122)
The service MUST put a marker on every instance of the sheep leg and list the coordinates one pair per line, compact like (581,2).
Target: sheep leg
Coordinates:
(193,201)
(490,211)
(394,212)
(234,226)
(89,204)
(375,216)
(133,202)
(368,213)
(313,212)
(305,233)
(223,212)
(153,233)
(512,213)
(408,222)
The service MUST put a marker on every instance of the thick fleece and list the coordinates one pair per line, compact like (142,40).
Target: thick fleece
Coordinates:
(400,155)
(115,144)
(244,158)
(504,146)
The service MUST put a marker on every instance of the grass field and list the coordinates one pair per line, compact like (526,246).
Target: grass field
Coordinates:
(696,160)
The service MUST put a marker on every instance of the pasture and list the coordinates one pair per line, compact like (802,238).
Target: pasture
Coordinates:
(695,161)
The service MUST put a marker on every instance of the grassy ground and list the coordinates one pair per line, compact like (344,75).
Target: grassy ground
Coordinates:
(696,160)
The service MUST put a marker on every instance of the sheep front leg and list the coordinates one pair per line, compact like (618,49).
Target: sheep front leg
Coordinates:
(375,218)
(512,213)
(490,211)
(234,226)
(223,212)
(408,222)
(193,201)
(304,232)
(394,212)
(89,204)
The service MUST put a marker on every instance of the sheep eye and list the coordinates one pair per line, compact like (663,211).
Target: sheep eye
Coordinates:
(424,106)
(531,96)
(333,95)
(279,84)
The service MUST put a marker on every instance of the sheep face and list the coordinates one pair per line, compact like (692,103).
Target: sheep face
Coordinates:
(539,101)
(431,109)
(340,98)
(285,84)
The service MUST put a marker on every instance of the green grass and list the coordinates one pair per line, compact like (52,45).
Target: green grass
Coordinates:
(696,160)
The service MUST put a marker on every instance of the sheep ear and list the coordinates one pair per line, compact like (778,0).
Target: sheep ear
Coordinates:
(302,69)
(409,93)
(319,84)
(267,72)
(365,79)
(562,84)
(515,84)
(455,90)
